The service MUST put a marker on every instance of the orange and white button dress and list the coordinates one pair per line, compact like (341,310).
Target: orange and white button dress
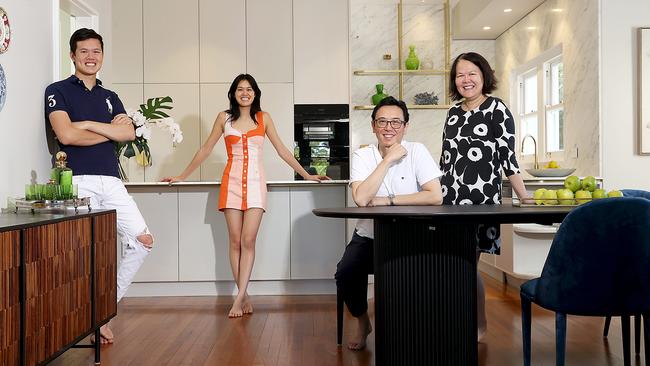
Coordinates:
(243,184)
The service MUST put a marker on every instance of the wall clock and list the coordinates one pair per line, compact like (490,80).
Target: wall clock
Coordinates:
(5,31)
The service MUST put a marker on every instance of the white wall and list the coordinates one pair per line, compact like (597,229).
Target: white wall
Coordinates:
(575,28)
(29,68)
(622,167)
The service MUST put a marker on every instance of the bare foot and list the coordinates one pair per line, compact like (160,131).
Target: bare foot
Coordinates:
(481,334)
(236,310)
(364,328)
(105,335)
(247,308)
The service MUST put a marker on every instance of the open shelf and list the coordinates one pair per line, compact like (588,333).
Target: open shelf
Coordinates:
(403,72)
(410,106)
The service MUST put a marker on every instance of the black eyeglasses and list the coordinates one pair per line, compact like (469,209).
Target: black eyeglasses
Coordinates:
(394,123)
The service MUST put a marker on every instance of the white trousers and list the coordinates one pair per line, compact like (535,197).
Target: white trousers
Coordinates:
(108,192)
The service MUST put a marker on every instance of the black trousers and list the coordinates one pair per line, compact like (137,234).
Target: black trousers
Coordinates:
(352,274)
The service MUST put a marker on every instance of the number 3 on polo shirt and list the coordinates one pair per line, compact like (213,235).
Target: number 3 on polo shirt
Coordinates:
(51,102)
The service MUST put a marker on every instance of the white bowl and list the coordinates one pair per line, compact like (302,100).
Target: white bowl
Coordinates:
(551,172)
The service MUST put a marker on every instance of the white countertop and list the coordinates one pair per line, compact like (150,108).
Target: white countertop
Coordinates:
(213,183)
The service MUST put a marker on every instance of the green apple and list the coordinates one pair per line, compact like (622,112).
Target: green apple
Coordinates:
(565,196)
(589,183)
(614,193)
(599,193)
(538,195)
(550,197)
(582,196)
(572,182)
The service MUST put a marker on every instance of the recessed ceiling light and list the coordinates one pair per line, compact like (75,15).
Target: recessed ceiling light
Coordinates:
(531,28)
(556,10)
(507,10)
(487,28)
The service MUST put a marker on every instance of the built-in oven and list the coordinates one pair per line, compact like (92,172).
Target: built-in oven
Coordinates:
(321,139)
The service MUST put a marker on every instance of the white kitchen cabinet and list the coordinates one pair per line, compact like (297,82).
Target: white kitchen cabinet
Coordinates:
(222,40)
(126,45)
(171,41)
(160,211)
(317,243)
(269,40)
(203,254)
(170,160)
(214,99)
(131,96)
(277,99)
(320,43)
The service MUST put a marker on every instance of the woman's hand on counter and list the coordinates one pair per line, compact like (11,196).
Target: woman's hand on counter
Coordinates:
(317,178)
(171,180)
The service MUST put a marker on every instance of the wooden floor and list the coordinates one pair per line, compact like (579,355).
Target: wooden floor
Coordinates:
(301,330)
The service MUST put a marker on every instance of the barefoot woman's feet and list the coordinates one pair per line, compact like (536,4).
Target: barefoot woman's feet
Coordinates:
(364,328)
(247,308)
(481,334)
(236,310)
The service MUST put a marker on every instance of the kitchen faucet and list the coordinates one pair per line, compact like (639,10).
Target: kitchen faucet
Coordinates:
(536,164)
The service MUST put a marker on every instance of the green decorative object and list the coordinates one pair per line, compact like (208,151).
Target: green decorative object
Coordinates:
(412,61)
(380,94)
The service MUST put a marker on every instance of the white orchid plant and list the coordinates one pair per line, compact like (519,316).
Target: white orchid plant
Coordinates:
(150,114)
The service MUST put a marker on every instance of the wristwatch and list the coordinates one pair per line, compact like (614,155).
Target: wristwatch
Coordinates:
(390,199)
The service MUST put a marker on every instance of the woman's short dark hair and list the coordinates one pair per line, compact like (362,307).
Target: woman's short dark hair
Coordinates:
(234,106)
(83,34)
(391,101)
(489,80)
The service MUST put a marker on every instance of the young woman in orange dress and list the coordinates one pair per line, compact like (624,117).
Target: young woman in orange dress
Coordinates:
(242,196)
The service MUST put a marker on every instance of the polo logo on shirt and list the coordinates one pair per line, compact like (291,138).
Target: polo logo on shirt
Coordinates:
(110,106)
(51,102)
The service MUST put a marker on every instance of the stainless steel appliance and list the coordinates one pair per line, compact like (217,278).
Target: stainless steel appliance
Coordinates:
(321,134)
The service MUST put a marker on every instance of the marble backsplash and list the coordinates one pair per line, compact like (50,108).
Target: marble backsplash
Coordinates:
(373,33)
(575,28)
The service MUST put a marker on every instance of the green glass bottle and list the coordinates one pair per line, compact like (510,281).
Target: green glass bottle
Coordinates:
(62,175)
(380,94)
(412,61)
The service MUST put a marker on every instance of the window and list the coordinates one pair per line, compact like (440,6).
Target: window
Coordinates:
(540,107)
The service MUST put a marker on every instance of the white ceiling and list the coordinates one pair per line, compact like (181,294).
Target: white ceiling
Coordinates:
(468,17)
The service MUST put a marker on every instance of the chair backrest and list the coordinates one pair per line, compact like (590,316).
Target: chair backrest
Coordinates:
(636,193)
(599,262)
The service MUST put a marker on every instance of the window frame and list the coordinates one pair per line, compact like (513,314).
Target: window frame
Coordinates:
(541,66)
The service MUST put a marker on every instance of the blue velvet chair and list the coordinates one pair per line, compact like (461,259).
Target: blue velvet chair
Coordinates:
(597,266)
(637,318)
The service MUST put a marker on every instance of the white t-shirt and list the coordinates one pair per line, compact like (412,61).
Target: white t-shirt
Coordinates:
(404,177)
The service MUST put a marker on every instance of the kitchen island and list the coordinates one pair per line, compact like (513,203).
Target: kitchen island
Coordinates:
(296,253)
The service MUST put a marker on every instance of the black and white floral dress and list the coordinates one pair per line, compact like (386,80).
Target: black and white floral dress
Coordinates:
(477,146)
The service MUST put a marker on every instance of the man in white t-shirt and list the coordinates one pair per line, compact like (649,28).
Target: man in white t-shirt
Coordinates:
(393,173)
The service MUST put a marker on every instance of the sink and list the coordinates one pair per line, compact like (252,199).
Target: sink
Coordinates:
(551,172)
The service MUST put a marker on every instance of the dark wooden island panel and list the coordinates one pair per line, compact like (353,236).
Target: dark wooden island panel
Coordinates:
(9,297)
(68,263)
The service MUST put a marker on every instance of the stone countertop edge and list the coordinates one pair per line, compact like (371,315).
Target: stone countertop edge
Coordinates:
(213,183)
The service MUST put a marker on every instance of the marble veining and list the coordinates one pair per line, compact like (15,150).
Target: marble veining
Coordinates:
(373,33)
(576,29)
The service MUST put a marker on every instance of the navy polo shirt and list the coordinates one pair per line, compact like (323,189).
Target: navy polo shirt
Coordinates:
(98,105)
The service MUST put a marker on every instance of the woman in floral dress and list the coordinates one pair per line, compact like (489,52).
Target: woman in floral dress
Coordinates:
(478,146)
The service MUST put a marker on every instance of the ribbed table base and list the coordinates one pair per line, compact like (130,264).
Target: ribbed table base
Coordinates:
(425,293)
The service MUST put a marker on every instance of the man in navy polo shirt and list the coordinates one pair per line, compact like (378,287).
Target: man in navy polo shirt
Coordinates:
(87,119)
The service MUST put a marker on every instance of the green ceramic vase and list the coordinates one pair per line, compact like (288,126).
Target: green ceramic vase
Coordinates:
(380,94)
(412,61)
